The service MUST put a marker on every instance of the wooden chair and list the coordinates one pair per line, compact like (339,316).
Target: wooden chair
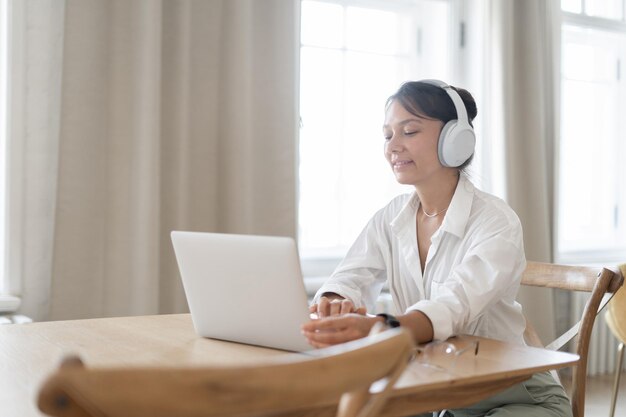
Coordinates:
(289,382)
(615,317)
(599,282)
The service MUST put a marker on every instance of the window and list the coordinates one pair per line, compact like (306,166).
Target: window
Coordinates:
(592,176)
(354,54)
(610,9)
(4,96)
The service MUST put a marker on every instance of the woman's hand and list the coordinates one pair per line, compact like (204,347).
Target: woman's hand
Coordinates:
(337,329)
(334,305)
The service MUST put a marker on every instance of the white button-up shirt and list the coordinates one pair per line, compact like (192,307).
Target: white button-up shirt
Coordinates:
(472,271)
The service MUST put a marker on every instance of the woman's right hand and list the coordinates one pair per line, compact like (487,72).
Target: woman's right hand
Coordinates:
(334,305)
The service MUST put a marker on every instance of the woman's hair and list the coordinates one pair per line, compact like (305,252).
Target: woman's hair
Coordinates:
(432,102)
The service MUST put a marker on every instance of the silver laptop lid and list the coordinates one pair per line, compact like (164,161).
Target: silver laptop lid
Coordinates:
(243,288)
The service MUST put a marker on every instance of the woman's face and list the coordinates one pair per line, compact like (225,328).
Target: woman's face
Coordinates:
(411,145)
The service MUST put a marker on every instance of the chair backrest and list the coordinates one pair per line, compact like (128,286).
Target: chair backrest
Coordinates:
(286,383)
(597,281)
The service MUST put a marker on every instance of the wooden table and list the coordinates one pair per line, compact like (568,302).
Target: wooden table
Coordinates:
(29,352)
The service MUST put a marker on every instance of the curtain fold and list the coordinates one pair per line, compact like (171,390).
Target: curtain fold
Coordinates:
(35,74)
(525,74)
(174,115)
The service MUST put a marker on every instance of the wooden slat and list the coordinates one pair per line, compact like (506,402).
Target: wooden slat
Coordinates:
(574,278)
(425,401)
(438,399)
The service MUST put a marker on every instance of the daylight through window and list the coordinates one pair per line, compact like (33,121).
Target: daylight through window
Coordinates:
(353,56)
(592,179)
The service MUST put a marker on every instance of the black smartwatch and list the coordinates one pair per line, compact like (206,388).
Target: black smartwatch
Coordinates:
(390,321)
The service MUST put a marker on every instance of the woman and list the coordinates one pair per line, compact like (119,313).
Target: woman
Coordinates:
(451,254)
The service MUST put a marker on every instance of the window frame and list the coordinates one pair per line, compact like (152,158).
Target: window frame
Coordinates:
(609,254)
(11,275)
(5,31)
(11,15)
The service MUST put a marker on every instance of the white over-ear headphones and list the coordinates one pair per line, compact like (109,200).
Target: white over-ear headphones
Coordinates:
(457,138)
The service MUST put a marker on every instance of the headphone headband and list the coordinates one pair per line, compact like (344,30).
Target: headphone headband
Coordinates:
(461,111)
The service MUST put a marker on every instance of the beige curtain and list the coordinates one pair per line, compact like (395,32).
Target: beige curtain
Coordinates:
(33,145)
(524,73)
(174,114)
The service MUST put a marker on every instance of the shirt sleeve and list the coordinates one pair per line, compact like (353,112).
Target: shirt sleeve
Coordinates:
(489,272)
(361,274)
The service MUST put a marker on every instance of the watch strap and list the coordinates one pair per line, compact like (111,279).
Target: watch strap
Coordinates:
(390,321)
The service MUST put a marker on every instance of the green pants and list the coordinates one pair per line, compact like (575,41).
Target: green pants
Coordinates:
(540,396)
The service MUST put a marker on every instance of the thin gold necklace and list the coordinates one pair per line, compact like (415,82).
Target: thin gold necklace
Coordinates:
(434,214)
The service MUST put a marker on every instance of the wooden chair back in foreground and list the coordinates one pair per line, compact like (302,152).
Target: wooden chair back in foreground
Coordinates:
(341,374)
(599,282)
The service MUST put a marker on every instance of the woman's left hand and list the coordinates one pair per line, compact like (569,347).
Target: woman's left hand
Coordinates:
(337,329)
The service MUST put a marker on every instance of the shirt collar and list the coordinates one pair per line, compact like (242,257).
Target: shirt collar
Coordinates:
(456,217)
(458,212)
(405,217)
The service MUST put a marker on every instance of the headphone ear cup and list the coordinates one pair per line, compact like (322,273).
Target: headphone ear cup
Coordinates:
(456,144)
(443,147)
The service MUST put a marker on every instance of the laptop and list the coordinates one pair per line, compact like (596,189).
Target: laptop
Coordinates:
(242,288)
